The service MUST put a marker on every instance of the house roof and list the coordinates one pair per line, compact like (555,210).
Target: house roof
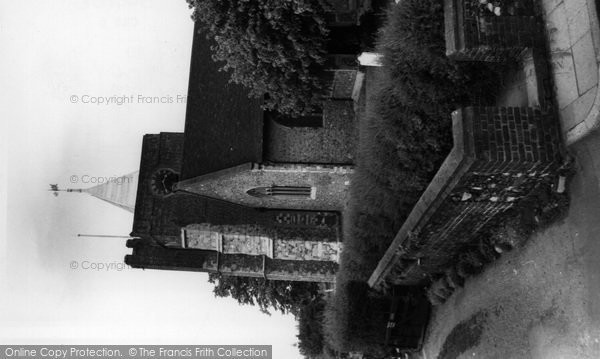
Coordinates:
(223,127)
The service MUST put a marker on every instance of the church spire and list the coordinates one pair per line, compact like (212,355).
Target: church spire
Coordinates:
(118,191)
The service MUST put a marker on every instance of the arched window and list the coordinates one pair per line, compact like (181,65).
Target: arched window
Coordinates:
(163,181)
(300,192)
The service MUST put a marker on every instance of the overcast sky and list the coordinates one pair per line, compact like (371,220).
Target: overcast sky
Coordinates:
(56,55)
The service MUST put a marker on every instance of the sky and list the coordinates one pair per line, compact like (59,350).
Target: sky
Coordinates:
(80,83)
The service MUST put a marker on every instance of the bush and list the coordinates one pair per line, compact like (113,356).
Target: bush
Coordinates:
(310,328)
(406,130)
(425,80)
(404,135)
(275,48)
(364,331)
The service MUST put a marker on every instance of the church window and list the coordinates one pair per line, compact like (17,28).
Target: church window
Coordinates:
(298,192)
(163,181)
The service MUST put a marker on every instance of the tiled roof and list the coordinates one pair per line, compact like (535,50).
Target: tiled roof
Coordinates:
(223,126)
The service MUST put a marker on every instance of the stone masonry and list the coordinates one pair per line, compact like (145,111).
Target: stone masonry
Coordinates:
(499,155)
(258,240)
(330,144)
(149,255)
(329,185)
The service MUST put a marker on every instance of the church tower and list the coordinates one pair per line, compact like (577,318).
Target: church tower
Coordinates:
(175,228)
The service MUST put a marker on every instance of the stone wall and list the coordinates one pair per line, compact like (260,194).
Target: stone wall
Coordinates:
(148,255)
(474,37)
(201,236)
(310,271)
(162,150)
(306,250)
(499,155)
(259,240)
(328,184)
(335,142)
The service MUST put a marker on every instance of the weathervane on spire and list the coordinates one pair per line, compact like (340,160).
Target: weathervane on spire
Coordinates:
(54,189)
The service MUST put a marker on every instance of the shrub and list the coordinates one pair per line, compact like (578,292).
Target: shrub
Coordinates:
(406,130)
(271,47)
(413,45)
(404,135)
(310,328)
(365,330)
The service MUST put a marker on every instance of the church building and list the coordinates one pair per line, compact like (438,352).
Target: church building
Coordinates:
(242,191)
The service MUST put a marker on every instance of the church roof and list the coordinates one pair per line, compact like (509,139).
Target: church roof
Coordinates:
(119,191)
(223,127)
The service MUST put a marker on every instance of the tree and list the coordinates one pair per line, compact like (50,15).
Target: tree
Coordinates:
(283,296)
(310,328)
(276,48)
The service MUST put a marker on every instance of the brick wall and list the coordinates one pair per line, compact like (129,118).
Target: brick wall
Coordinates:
(487,38)
(499,155)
